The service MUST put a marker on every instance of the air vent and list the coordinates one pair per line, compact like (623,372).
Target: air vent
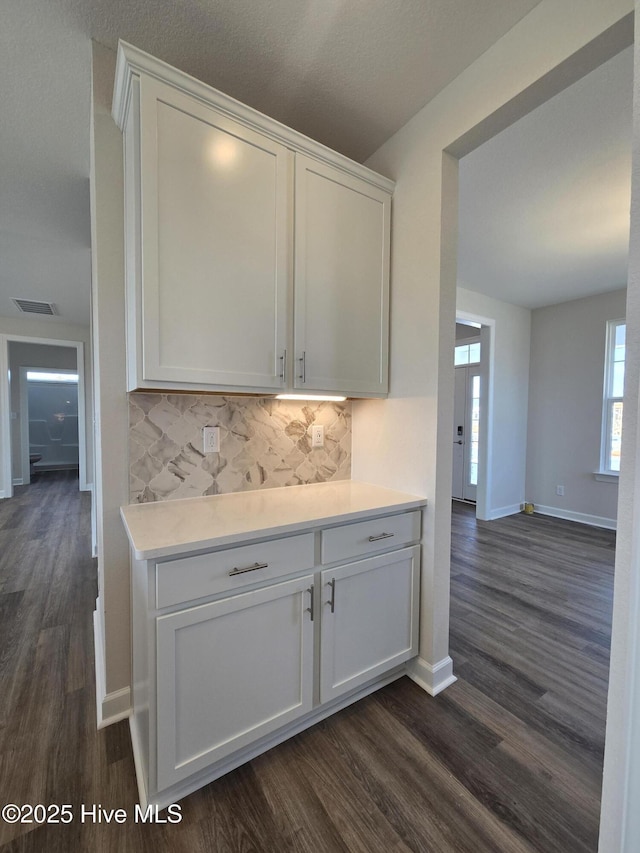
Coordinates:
(31,306)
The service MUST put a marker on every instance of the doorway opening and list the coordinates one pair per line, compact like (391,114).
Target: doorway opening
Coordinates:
(48,438)
(466,419)
(42,411)
(547,362)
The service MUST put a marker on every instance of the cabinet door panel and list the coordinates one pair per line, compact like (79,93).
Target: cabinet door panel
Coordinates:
(230,672)
(341,280)
(374,623)
(215,197)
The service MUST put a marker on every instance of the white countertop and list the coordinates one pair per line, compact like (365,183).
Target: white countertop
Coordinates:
(167,528)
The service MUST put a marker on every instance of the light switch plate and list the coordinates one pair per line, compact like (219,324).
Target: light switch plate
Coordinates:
(211,439)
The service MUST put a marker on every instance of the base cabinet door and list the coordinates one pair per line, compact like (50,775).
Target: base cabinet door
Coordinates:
(229,672)
(369,619)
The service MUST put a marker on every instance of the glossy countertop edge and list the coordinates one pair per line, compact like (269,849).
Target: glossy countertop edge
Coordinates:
(155,529)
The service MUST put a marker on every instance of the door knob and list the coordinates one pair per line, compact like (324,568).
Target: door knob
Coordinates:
(458,442)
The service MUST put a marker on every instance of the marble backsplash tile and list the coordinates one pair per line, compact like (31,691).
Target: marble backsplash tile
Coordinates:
(263,443)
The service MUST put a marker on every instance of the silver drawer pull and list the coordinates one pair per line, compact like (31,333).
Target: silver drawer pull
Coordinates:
(252,568)
(381,536)
(332,600)
(310,607)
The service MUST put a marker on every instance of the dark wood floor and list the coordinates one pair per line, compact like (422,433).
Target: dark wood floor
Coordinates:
(507,760)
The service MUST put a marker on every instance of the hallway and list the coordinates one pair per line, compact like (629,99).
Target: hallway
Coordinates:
(50,751)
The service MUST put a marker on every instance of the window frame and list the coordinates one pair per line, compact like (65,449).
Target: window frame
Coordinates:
(608,398)
(467,342)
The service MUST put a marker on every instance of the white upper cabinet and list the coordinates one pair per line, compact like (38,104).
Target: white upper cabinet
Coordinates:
(215,201)
(256,259)
(341,280)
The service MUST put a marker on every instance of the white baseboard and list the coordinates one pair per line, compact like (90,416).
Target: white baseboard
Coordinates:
(138,762)
(94,521)
(2,495)
(110,707)
(580,517)
(18,481)
(432,679)
(115,706)
(503,511)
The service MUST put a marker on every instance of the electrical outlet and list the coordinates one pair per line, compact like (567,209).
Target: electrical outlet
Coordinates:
(317,435)
(560,491)
(211,439)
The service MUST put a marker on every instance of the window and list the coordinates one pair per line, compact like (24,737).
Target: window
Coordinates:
(613,393)
(51,376)
(475,430)
(467,354)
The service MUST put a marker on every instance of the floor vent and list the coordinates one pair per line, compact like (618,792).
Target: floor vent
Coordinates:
(32,306)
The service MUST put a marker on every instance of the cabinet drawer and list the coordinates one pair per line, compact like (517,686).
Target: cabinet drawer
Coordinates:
(369,537)
(220,571)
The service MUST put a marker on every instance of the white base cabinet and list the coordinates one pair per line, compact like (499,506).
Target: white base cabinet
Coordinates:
(230,672)
(368,623)
(237,648)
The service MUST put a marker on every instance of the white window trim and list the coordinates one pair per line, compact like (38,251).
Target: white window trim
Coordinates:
(606,476)
(463,342)
(604,473)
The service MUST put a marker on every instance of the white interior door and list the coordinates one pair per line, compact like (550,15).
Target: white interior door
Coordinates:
(466,432)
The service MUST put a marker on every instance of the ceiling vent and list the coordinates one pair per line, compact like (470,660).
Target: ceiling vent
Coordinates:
(32,306)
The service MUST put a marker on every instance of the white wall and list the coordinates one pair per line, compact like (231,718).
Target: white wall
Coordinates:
(565,408)
(548,363)
(405,441)
(620,816)
(464,332)
(506,378)
(112,618)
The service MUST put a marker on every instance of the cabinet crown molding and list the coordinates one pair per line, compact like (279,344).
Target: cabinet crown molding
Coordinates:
(132,62)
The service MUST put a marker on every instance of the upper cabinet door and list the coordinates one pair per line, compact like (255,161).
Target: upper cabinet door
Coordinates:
(341,281)
(214,199)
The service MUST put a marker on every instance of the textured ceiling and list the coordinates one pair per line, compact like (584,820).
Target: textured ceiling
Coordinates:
(544,206)
(346,72)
